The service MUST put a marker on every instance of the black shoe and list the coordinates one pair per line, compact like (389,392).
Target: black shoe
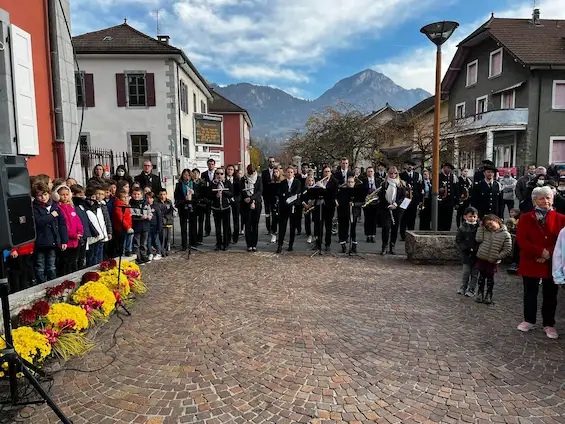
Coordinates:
(343,249)
(235,241)
(354,248)
(199,243)
(207,235)
(391,249)
(368,239)
(480,297)
(373,239)
(250,249)
(383,251)
(289,248)
(218,248)
(254,249)
(224,248)
(403,238)
(327,247)
(488,299)
(299,233)
(279,249)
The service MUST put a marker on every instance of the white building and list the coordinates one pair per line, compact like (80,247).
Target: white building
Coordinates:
(140,94)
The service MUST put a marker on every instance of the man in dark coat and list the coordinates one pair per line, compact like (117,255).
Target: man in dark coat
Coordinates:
(448,197)
(207,178)
(343,172)
(411,178)
(266,178)
(487,194)
(148,179)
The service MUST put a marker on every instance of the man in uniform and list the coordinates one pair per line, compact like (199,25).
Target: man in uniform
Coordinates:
(266,178)
(487,194)
(448,197)
(343,173)
(411,178)
(207,178)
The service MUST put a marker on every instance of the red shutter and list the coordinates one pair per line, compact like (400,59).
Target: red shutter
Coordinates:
(150,87)
(89,90)
(121,89)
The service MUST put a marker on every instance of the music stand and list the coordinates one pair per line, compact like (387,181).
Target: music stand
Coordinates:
(317,192)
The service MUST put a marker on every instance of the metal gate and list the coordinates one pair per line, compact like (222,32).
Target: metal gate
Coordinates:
(92,156)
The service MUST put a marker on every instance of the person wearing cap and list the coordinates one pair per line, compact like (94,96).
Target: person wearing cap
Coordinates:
(479,173)
(465,188)
(411,178)
(448,197)
(487,195)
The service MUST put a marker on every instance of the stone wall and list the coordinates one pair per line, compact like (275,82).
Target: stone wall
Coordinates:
(431,247)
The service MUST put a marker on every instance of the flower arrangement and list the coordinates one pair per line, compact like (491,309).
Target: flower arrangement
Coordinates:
(37,311)
(95,295)
(31,345)
(110,279)
(59,291)
(61,314)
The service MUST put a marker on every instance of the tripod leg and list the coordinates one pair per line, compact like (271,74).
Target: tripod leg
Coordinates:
(29,376)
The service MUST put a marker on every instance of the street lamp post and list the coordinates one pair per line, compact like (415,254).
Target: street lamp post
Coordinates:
(438,33)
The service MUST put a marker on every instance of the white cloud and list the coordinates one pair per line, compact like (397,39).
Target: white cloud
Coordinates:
(263,73)
(416,68)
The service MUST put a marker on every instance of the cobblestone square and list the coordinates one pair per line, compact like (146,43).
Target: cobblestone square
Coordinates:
(258,338)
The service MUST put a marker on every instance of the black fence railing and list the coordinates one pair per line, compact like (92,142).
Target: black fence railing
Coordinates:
(92,156)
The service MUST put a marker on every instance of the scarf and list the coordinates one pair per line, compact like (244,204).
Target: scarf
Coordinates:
(390,194)
(249,181)
(185,186)
(541,215)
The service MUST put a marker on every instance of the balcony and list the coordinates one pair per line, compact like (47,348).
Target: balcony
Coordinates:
(492,120)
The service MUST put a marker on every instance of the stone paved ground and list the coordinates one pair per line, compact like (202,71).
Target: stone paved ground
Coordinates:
(234,338)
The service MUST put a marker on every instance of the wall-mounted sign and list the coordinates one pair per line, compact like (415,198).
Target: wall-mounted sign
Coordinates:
(208,130)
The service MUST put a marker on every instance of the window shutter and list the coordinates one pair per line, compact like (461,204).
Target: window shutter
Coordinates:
(24,93)
(89,90)
(121,89)
(150,86)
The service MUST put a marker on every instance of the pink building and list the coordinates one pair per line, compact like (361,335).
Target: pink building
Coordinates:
(237,125)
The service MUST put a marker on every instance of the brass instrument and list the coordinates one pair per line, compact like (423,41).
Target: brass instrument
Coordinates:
(309,206)
(372,197)
(322,183)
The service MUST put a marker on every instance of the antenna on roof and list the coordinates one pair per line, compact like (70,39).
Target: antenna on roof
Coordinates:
(536,13)
(156,13)
(125,20)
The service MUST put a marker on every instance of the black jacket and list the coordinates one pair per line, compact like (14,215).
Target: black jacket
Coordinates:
(167,211)
(89,229)
(149,180)
(156,223)
(51,232)
(236,183)
(180,200)
(412,183)
(467,243)
(559,203)
(224,202)
(257,192)
(346,195)
(339,176)
(488,200)
(448,190)
(284,193)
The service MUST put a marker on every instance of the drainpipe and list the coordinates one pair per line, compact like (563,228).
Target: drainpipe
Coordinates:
(538,117)
(59,141)
(177,159)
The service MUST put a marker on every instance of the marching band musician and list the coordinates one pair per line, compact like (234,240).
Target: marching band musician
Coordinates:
(266,177)
(289,197)
(343,173)
(235,207)
(273,196)
(381,172)
(425,206)
(487,194)
(350,198)
(392,194)
(411,178)
(308,208)
(207,178)
(221,193)
(465,188)
(370,185)
(448,197)
(201,200)
(251,189)
(302,178)
(328,208)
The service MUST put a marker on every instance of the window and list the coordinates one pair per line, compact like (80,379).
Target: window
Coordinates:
(139,145)
(508,100)
(482,103)
(194,101)
(557,150)
(460,110)
(84,142)
(558,101)
(472,71)
(136,90)
(185,148)
(495,63)
(79,83)
(202,107)
(503,156)
(183,97)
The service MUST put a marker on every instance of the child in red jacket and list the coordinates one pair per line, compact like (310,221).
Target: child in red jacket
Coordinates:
(121,219)
(20,268)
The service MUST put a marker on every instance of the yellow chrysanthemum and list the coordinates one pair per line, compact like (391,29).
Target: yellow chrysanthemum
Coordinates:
(29,344)
(61,312)
(110,280)
(99,292)
(131,266)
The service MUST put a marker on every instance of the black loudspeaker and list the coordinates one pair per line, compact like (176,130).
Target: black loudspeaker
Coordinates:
(17,226)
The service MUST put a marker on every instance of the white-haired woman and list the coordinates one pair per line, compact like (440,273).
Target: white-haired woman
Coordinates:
(537,235)
(392,193)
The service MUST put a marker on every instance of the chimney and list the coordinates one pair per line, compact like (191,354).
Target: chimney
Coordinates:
(163,39)
(536,17)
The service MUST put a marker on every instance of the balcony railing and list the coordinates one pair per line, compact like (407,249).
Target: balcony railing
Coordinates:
(493,118)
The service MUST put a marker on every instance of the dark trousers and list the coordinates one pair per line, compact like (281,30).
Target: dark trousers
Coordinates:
(81,258)
(252,217)
(391,222)
(409,218)
(487,278)
(426,216)
(370,225)
(20,272)
(308,223)
(153,241)
(69,260)
(208,223)
(45,265)
(166,235)
(222,225)
(325,226)
(345,228)
(284,218)
(183,219)
(516,253)
(268,210)
(549,303)
(199,214)
(140,244)
(508,204)
(445,217)
(92,253)
(235,213)
(298,217)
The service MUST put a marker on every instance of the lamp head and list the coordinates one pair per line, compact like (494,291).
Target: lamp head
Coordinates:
(439,32)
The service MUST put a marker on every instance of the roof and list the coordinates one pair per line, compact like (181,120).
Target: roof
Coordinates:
(221,104)
(124,39)
(531,45)
(379,111)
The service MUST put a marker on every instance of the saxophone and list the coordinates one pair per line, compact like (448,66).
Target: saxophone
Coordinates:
(372,197)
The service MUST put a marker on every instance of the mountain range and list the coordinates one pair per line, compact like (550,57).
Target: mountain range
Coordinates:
(276,113)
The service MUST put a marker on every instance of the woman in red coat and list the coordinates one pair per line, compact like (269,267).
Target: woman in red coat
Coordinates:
(536,236)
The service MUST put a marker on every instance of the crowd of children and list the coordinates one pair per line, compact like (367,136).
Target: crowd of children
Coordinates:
(78,227)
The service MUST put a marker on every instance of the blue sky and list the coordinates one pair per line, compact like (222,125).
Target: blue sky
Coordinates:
(304,46)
